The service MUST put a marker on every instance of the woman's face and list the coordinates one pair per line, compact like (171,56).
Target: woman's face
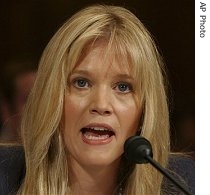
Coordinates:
(101,110)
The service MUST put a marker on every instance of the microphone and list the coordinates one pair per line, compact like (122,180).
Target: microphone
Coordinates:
(139,151)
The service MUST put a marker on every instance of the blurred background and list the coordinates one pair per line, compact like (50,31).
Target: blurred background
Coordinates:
(27,26)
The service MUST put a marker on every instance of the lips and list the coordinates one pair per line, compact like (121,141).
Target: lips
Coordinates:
(97,134)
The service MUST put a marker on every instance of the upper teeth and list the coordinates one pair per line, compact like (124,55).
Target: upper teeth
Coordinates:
(99,129)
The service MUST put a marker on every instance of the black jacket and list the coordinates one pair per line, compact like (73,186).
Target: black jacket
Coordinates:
(12,171)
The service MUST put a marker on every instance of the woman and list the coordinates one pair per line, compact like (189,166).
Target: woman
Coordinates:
(99,82)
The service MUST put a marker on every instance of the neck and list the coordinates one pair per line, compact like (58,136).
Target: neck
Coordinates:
(93,180)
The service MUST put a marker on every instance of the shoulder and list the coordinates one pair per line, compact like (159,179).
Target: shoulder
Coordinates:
(182,167)
(12,168)
(177,161)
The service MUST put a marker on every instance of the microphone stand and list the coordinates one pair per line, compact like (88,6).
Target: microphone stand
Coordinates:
(165,173)
(139,150)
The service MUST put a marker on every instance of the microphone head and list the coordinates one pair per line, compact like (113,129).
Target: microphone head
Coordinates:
(136,148)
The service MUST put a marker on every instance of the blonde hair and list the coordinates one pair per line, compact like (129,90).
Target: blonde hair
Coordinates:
(46,164)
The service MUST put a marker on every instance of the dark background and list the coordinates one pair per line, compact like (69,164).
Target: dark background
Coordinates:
(26,26)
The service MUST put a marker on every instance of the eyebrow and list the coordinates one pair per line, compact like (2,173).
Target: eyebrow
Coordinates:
(124,76)
(118,76)
(83,72)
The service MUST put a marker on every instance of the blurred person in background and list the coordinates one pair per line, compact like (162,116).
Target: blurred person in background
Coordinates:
(16,80)
(183,126)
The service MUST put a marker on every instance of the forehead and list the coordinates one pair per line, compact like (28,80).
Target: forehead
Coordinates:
(100,56)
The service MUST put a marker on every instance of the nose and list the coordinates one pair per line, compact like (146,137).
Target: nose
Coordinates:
(101,102)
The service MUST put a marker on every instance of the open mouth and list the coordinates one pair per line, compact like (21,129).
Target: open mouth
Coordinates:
(97,134)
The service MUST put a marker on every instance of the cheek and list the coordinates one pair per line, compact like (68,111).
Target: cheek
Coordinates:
(74,108)
(132,122)
(70,107)
(130,114)
(70,114)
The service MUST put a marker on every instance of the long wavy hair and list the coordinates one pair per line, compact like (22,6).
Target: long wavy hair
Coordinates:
(46,163)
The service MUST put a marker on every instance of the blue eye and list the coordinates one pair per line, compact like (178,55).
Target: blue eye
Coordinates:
(123,87)
(81,83)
